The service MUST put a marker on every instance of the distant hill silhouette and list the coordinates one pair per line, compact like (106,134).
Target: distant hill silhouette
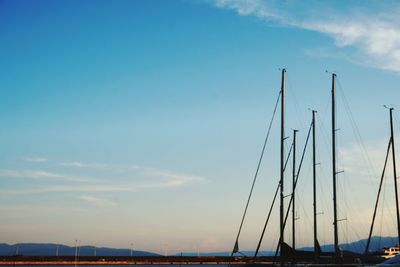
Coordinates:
(377,243)
(33,249)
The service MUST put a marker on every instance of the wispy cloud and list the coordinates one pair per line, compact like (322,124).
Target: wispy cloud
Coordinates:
(163,178)
(37,174)
(172,178)
(374,32)
(78,164)
(251,7)
(100,188)
(367,163)
(101,202)
(36,159)
(40,174)
(143,178)
(377,40)
(68,189)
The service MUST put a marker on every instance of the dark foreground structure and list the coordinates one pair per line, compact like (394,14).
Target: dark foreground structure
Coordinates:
(137,260)
(178,260)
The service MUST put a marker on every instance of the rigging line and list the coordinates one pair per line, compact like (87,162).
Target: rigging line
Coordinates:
(356,132)
(358,237)
(386,213)
(321,168)
(294,187)
(342,185)
(352,208)
(351,211)
(297,109)
(324,135)
(272,205)
(321,188)
(236,246)
(395,119)
(382,212)
(306,219)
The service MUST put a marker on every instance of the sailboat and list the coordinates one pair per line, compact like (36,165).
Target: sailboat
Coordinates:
(286,252)
(317,255)
(391,251)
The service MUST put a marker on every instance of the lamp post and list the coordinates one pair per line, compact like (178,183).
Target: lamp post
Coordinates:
(76,252)
(131,249)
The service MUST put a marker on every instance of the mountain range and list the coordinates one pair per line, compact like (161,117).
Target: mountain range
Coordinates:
(38,249)
(35,249)
(377,244)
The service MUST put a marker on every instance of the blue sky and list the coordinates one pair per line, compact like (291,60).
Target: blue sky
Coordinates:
(142,121)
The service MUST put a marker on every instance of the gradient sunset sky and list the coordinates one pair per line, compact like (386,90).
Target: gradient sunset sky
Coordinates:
(142,121)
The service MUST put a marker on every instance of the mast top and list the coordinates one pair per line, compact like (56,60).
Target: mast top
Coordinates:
(331,72)
(389,108)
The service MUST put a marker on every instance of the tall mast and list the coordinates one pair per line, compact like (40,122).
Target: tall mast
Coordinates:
(282,212)
(316,250)
(335,220)
(395,175)
(293,192)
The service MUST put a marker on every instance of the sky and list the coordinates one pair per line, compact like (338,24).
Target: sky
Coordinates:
(142,122)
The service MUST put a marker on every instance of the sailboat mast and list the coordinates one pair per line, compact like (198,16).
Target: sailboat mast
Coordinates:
(314,188)
(335,220)
(293,192)
(282,212)
(395,175)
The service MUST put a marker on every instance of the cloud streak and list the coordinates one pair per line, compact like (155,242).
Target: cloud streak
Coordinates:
(41,175)
(68,189)
(249,7)
(370,165)
(377,40)
(36,159)
(78,164)
(172,178)
(143,178)
(374,33)
(101,202)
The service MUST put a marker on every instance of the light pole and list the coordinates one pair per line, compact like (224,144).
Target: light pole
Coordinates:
(76,251)
(131,249)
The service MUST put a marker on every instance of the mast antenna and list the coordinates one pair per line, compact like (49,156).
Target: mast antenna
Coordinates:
(316,245)
(395,175)
(334,172)
(293,191)
(282,161)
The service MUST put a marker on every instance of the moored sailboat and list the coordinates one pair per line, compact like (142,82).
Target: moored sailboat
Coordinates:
(284,252)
